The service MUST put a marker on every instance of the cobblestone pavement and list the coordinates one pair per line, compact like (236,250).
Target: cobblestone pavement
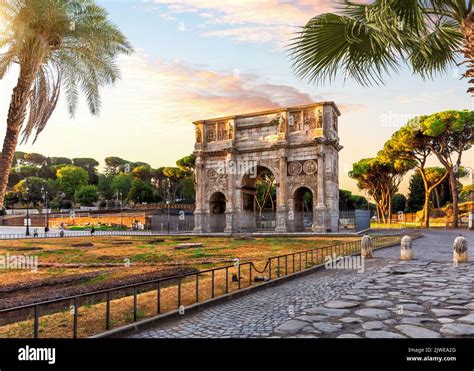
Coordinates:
(426,297)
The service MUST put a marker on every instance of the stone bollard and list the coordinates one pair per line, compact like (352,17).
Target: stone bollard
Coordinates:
(366,247)
(460,251)
(406,251)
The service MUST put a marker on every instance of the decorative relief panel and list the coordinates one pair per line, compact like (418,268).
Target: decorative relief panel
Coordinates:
(334,120)
(309,119)
(308,167)
(294,121)
(210,133)
(198,135)
(295,168)
(212,175)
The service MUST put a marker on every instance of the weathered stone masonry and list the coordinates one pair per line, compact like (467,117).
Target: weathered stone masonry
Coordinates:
(298,145)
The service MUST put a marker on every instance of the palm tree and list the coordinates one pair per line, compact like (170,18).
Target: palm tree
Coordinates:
(367,41)
(57,44)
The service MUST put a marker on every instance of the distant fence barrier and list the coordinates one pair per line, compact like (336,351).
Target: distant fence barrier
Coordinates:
(121,305)
(14,236)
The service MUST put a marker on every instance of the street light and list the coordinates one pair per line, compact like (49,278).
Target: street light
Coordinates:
(168,202)
(121,198)
(27,233)
(44,192)
(471,211)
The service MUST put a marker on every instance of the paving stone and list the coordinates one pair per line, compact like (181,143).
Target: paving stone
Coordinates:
(457,329)
(382,334)
(468,319)
(445,320)
(308,318)
(327,327)
(413,307)
(374,313)
(339,304)
(417,321)
(417,331)
(373,325)
(351,320)
(328,311)
(457,301)
(445,312)
(351,297)
(438,293)
(310,329)
(290,327)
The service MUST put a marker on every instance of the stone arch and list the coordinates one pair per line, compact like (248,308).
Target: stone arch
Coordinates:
(252,216)
(302,212)
(217,208)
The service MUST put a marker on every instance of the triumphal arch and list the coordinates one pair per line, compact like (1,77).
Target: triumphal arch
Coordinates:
(299,147)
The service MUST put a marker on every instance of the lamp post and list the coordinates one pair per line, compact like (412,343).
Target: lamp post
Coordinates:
(471,211)
(27,233)
(121,199)
(168,201)
(44,192)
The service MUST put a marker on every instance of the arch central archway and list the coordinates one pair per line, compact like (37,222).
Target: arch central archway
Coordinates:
(259,199)
(217,206)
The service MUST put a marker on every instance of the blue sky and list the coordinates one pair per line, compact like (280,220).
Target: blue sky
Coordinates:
(200,59)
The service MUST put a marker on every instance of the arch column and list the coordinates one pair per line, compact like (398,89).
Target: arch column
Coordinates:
(201,223)
(230,213)
(282,195)
(320,210)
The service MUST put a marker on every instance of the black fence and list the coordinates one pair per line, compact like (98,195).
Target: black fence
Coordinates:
(178,291)
(356,220)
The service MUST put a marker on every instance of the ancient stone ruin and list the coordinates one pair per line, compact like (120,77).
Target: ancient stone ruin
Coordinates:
(298,146)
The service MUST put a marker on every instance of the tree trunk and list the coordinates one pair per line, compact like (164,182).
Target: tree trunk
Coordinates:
(426,209)
(16,116)
(454,192)
(437,198)
(390,210)
(467,29)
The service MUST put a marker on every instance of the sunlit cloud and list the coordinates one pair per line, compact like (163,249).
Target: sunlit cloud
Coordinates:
(251,20)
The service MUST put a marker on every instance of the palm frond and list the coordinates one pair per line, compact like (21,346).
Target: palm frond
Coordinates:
(43,101)
(330,43)
(435,52)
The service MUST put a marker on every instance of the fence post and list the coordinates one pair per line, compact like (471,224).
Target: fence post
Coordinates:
(36,322)
(158,298)
(107,312)
(197,287)
(134,304)
(75,318)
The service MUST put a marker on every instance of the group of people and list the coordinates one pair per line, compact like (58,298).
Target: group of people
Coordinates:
(61,233)
(35,231)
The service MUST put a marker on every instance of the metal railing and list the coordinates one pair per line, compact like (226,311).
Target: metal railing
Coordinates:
(275,267)
(67,233)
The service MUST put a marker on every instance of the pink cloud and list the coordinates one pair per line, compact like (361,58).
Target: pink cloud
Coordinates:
(252,20)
